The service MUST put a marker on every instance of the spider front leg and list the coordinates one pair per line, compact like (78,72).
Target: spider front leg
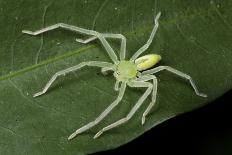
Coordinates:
(109,35)
(103,114)
(149,41)
(61,25)
(71,69)
(87,40)
(179,73)
(105,70)
(154,93)
(106,45)
(133,110)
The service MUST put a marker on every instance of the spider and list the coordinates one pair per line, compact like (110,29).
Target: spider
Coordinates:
(133,73)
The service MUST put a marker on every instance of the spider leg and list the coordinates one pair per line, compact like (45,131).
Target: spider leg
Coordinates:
(116,86)
(133,110)
(104,70)
(145,46)
(110,35)
(61,25)
(71,69)
(179,73)
(86,40)
(103,114)
(106,45)
(154,93)
(123,43)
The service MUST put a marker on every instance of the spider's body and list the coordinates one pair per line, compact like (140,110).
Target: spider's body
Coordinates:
(133,73)
(147,61)
(125,71)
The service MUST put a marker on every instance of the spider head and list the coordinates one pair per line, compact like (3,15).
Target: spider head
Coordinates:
(147,61)
(125,71)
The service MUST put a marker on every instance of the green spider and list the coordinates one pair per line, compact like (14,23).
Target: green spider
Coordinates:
(127,72)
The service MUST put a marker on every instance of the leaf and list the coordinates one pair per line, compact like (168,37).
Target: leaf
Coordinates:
(194,37)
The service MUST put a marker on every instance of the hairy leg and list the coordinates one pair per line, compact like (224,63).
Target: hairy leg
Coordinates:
(179,73)
(103,114)
(106,45)
(71,69)
(145,46)
(133,110)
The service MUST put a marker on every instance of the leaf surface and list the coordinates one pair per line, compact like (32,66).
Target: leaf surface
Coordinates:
(194,37)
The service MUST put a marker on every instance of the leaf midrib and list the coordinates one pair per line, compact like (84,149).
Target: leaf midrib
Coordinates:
(57,58)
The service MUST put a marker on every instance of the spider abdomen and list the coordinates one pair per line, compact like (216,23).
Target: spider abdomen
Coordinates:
(147,61)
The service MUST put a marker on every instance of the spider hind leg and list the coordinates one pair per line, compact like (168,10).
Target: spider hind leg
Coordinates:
(133,110)
(102,115)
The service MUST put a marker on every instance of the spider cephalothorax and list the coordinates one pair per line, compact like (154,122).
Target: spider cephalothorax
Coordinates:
(129,70)
(133,73)
(126,71)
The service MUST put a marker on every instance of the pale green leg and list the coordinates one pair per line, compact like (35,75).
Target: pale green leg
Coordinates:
(103,114)
(145,47)
(116,86)
(123,43)
(72,69)
(133,110)
(61,25)
(108,48)
(179,73)
(109,35)
(86,40)
(104,70)
(153,96)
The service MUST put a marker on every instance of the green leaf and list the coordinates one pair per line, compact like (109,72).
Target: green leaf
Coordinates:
(194,37)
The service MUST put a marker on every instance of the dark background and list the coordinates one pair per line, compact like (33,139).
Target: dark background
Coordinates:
(205,131)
